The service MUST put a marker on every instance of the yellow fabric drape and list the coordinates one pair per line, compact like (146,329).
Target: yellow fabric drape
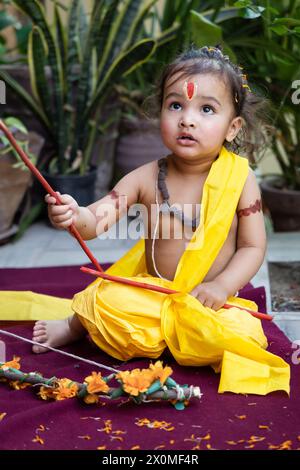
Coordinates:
(27,305)
(128,321)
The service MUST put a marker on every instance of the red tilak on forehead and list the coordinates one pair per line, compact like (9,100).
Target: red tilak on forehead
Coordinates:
(190,90)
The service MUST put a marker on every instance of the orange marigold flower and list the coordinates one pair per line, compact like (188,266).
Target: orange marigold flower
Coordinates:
(108,427)
(135,381)
(66,388)
(96,383)
(160,372)
(155,424)
(38,439)
(17,385)
(14,364)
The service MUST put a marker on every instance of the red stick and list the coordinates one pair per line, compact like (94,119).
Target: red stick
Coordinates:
(123,280)
(72,229)
(164,290)
(262,316)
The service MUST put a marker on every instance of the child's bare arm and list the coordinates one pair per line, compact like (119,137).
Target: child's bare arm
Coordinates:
(98,217)
(251,240)
(251,247)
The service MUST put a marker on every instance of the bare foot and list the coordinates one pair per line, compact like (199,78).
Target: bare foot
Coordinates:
(56,333)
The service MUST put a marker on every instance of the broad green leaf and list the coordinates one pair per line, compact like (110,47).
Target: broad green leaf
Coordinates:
(252,13)
(14,122)
(287,21)
(6,20)
(279,29)
(204,32)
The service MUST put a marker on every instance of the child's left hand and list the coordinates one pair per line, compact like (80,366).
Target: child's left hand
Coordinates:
(210,294)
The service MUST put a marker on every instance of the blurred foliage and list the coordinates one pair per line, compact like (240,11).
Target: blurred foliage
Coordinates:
(262,36)
(21,31)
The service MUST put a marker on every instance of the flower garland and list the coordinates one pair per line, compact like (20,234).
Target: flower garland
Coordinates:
(139,385)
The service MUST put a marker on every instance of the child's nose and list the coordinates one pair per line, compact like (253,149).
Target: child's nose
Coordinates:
(187,121)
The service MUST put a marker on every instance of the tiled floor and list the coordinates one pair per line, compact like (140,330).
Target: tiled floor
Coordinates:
(42,245)
(286,247)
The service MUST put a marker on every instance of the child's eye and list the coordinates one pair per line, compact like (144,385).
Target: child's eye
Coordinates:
(175,106)
(207,109)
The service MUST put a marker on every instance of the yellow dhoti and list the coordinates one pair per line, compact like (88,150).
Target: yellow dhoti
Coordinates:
(128,322)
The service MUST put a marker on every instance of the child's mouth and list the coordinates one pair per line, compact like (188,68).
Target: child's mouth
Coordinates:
(186,139)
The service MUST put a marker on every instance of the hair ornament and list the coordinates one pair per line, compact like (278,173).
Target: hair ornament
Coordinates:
(246,86)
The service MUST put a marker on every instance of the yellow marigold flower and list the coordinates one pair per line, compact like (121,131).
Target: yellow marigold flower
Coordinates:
(14,364)
(160,372)
(46,393)
(66,388)
(90,399)
(136,381)
(96,383)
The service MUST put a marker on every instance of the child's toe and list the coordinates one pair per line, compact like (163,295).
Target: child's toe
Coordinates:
(40,338)
(39,349)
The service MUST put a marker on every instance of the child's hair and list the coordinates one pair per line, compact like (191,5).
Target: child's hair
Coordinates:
(247,104)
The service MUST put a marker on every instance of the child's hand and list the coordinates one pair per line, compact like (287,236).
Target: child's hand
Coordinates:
(62,216)
(210,294)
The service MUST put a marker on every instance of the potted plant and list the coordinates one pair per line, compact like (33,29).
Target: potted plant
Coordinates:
(73,72)
(15,176)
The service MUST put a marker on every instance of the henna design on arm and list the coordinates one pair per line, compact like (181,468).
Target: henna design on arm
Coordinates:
(256,207)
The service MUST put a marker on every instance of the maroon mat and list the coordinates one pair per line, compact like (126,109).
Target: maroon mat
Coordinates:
(217,421)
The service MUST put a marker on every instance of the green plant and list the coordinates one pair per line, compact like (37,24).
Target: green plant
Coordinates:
(73,70)
(21,135)
(181,23)
(16,179)
(265,38)
(21,32)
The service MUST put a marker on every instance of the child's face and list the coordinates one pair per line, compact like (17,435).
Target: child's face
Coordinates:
(208,117)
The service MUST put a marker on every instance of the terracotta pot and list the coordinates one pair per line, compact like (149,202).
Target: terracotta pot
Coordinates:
(283,204)
(139,143)
(13,185)
(15,106)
